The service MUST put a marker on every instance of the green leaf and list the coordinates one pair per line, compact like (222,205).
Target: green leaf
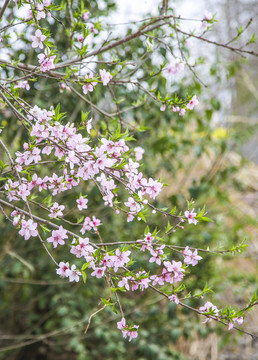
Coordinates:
(254,298)
(201,213)
(172,212)
(107,302)
(3,165)
(141,216)
(252,39)
(45,229)
(204,218)
(85,266)
(114,309)
(147,230)
(84,276)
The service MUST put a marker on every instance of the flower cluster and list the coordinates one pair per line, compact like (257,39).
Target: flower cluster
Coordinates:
(65,271)
(46,62)
(128,331)
(208,307)
(89,86)
(191,258)
(84,163)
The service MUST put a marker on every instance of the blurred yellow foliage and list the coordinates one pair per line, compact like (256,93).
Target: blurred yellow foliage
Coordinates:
(221,133)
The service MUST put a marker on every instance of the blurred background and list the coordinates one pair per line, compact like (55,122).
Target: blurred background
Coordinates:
(210,156)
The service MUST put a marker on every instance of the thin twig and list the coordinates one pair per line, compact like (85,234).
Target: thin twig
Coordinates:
(95,313)
(4,8)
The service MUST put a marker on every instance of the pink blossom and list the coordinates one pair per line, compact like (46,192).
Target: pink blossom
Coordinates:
(207,15)
(204,25)
(58,237)
(11,187)
(132,166)
(86,225)
(63,269)
(107,261)
(147,242)
(174,298)
(121,324)
(63,87)
(37,39)
(190,216)
(28,229)
(23,191)
(89,126)
(191,258)
(130,217)
(124,283)
(133,205)
(80,38)
(56,210)
(156,254)
(98,272)
(105,76)
(175,68)
(42,183)
(82,249)
(194,101)
(239,320)
(94,223)
(182,112)
(29,14)
(153,188)
(120,259)
(102,162)
(82,203)
(163,107)
(93,29)
(40,131)
(55,183)
(208,307)
(28,157)
(22,85)
(16,219)
(139,151)
(73,274)
(175,108)
(89,86)
(144,283)
(176,270)
(40,12)
(85,16)
(131,332)
(17,216)
(230,325)
(46,62)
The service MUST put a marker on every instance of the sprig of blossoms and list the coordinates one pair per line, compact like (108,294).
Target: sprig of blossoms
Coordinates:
(105,76)
(28,229)
(128,331)
(191,258)
(46,62)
